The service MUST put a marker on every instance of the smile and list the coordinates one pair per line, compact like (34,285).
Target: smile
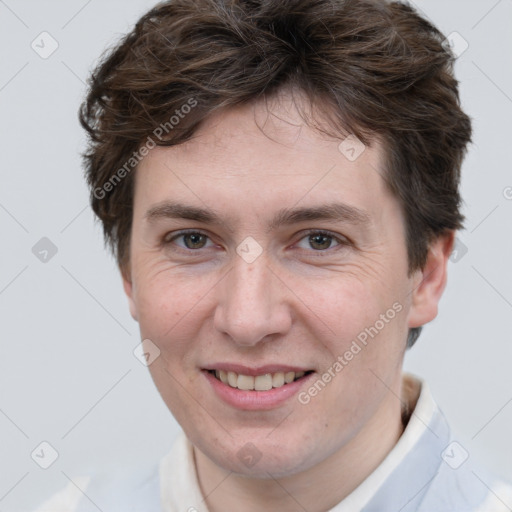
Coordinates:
(263,382)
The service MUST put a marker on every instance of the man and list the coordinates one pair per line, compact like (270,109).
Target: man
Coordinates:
(279,183)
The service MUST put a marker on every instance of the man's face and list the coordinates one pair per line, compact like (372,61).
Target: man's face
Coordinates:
(265,250)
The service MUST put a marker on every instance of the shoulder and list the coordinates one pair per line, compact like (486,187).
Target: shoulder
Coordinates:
(469,488)
(499,497)
(124,490)
(67,499)
(432,470)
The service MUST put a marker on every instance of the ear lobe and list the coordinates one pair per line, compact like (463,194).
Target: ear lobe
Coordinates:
(128,290)
(431,281)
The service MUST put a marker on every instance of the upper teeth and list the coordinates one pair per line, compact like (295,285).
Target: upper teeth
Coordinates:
(259,383)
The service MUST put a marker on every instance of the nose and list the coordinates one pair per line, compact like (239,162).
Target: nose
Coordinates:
(252,305)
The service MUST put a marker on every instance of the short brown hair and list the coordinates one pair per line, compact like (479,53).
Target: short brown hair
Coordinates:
(381,70)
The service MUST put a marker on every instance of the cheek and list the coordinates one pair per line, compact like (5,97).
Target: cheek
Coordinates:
(366,321)
(171,307)
(348,303)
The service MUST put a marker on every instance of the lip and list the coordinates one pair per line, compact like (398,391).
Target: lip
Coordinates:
(255,400)
(255,370)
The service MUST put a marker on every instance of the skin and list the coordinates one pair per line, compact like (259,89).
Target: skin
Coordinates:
(299,303)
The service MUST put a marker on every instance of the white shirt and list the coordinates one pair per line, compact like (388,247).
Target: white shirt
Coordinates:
(426,471)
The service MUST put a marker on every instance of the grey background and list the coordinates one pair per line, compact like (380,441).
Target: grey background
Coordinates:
(68,375)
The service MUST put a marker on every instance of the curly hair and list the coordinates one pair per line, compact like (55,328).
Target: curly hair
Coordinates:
(379,68)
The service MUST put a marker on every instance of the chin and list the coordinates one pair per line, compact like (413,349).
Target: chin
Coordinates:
(260,456)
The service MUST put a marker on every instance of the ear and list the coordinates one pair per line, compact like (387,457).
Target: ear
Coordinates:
(430,282)
(128,289)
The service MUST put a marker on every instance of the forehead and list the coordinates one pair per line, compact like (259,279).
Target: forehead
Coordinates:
(263,156)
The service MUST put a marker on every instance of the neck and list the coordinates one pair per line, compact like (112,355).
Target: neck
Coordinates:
(317,489)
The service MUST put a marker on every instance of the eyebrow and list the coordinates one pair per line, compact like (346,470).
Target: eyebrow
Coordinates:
(340,212)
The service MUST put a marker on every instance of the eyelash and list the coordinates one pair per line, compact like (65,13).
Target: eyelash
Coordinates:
(342,241)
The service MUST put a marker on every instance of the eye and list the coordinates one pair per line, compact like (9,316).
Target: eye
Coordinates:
(191,240)
(320,241)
